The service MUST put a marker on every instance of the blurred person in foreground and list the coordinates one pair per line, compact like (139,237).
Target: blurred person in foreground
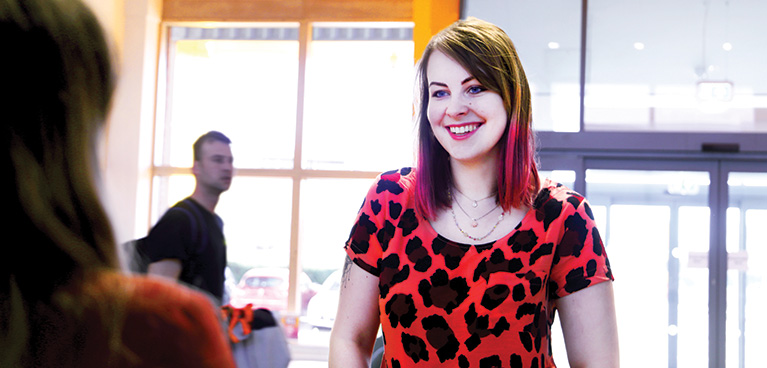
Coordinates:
(465,260)
(64,302)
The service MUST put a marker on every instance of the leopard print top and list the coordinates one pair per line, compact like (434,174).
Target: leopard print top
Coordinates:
(444,303)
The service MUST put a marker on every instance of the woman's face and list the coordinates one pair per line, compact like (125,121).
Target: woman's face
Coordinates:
(467,119)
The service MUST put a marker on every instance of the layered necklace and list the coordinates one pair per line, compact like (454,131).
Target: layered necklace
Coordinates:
(474,202)
(474,221)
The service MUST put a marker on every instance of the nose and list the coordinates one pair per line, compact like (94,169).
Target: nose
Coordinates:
(457,106)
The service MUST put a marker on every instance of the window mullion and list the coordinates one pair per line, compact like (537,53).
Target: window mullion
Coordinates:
(304,37)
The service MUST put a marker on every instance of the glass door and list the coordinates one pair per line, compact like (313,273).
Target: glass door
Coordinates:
(688,244)
(746,264)
(655,224)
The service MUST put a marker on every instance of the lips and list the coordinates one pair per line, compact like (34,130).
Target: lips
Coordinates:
(462,131)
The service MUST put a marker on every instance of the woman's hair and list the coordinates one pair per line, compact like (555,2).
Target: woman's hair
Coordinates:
(56,84)
(488,54)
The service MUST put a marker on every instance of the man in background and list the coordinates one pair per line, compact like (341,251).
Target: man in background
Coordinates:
(187,244)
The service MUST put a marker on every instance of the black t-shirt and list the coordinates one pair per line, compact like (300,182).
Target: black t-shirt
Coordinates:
(193,235)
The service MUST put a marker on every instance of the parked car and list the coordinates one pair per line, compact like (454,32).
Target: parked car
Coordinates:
(321,311)
(268,288)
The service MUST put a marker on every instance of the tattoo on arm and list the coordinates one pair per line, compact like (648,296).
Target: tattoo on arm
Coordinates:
(347,269)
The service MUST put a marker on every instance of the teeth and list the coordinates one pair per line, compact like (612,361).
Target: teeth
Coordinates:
(463,129)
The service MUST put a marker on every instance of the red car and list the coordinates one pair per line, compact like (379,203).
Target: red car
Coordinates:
(268,288)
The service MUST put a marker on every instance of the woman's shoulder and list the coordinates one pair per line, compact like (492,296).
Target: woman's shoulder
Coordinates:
(394,182)
(403,177)
(143,294)
(185,323)
(555,192)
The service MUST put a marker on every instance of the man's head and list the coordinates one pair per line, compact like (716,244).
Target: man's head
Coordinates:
(213,159)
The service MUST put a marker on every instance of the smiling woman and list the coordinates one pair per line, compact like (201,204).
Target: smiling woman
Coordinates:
(479,286)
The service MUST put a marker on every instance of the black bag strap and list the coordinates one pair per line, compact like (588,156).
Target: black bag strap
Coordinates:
(198,227)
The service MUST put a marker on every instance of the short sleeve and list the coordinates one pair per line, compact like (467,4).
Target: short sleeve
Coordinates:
(363,247)
(580,260)
(169,238)
(386,202)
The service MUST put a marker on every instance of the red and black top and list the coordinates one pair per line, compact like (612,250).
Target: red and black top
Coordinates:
(488,305)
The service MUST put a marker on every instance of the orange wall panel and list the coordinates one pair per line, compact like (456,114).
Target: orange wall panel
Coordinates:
(430,17)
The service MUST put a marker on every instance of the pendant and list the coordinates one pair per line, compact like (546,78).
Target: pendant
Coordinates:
(474,223)
(474,204)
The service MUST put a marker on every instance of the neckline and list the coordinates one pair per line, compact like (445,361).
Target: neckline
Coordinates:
(529,212)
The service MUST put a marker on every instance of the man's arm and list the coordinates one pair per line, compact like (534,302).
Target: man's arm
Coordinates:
(170,268)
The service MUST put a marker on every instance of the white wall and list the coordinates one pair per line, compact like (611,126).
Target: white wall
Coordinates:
(133,28)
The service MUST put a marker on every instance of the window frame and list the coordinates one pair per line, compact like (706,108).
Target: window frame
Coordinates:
(297,174)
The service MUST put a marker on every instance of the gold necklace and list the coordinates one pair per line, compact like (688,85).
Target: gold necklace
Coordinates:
(455,220)
(475,221)
(474,201)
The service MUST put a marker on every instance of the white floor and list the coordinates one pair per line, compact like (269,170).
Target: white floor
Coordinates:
(307,364)
(310,350)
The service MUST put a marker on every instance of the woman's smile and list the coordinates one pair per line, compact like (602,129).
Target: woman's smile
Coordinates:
(463,131)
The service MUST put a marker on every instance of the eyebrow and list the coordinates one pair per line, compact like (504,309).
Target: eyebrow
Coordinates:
(470,78)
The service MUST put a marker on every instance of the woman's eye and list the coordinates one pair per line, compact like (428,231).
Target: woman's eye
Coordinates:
(439,93)
(476,89)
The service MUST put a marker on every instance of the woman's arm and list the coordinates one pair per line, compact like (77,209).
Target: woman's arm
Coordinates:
(589,326)
(356,325)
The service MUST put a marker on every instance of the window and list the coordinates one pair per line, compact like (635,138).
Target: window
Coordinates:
(359,89)
(241,81)
(312,123)
(691,66)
